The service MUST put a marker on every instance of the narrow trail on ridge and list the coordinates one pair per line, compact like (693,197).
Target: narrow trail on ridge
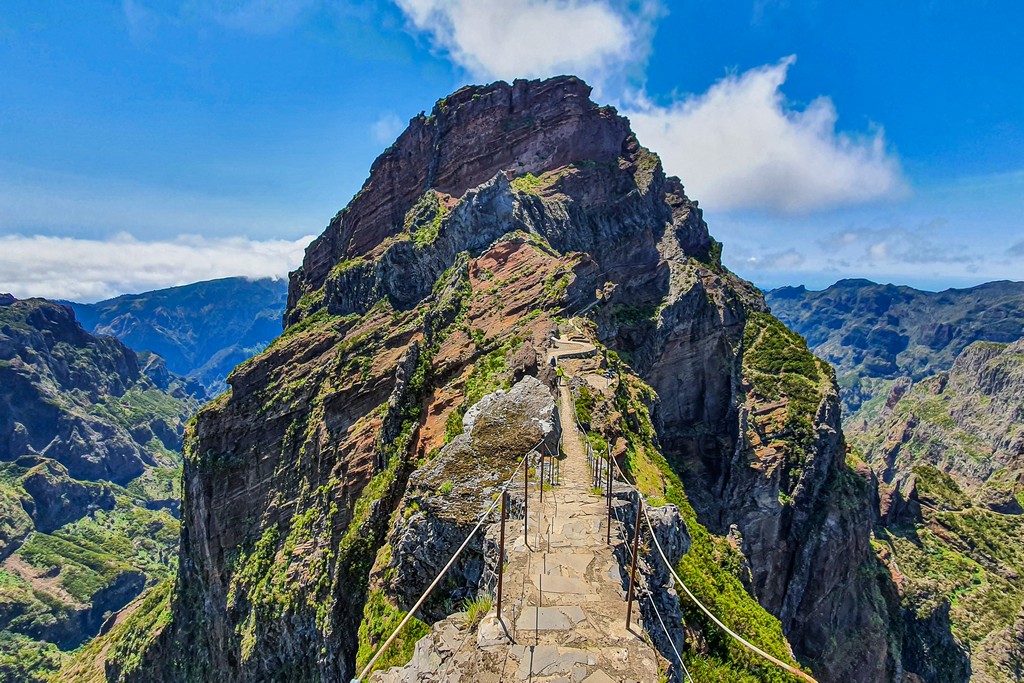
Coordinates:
(564,611)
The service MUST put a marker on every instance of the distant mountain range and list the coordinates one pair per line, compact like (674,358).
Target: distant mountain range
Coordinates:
(202,330)
(871,332)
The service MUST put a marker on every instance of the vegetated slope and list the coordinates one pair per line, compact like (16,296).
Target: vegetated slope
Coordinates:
(949,450)
(485,224)
(872,332)
(202,330)
(89,467)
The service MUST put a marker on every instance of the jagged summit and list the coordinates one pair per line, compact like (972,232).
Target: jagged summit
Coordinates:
(529,127)
(481,158)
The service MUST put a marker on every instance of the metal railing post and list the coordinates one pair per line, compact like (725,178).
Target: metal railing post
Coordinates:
(501,550)
(526,496)
(608,541)
(632,571)
(540,480)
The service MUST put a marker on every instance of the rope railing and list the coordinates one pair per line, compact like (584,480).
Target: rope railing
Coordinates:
(650,597)
(735,636)
(419,603)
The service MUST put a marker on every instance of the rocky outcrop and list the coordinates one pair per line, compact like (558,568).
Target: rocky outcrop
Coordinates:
(71,397)
(446,497)
(964,422)
(58,499)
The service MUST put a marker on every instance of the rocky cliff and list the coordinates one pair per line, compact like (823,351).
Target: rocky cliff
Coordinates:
(949,450)
(88,482)
(507,210)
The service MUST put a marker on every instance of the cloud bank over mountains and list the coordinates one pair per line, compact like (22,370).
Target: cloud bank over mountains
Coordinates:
(88,270)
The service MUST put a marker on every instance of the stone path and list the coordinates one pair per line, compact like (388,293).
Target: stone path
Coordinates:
(564,614)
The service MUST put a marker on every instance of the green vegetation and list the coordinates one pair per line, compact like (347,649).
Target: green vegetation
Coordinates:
(24,659)
(634,316)
(380,619)
(311,301)
(528,184)
(938,489)
(584,405)
(119,653)
(93,552)
(555,286)
(487,376)
(476,610)
(780,367)
(423,221)
(712,567)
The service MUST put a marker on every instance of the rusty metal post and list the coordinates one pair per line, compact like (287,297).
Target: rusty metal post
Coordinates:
(632,570)
(540,480)
(526,495)
(501,548)
(608,541)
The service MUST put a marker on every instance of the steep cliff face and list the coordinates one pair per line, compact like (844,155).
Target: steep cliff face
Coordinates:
(508,209)
(949,450)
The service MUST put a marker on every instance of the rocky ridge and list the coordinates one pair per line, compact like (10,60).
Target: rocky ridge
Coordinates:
(201,330)
(506,210)
(872,333)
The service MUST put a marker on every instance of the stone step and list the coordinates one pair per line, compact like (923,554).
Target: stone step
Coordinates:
(551,660)
(556,583)
(556,618)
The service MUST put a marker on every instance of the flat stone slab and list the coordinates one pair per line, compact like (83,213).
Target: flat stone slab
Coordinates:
(578,562)
(599,677)
(555,583)
(561,618)
(492,632)
(549,660)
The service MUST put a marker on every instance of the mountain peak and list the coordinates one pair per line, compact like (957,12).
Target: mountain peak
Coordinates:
(527,127)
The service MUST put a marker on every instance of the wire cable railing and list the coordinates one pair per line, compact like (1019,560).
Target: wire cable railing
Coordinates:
(419,603)
(650,597)
(700,605)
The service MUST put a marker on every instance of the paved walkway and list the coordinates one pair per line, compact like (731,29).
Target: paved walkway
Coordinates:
(564,615)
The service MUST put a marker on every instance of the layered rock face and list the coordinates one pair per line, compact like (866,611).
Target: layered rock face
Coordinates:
(949,450)
(509,206)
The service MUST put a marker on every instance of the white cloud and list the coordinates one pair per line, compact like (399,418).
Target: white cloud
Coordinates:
(386,128)
(595,39)
(790,259)
(90,269)
(741,146)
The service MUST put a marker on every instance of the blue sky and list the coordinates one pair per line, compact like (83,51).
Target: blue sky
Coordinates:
(145,143)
